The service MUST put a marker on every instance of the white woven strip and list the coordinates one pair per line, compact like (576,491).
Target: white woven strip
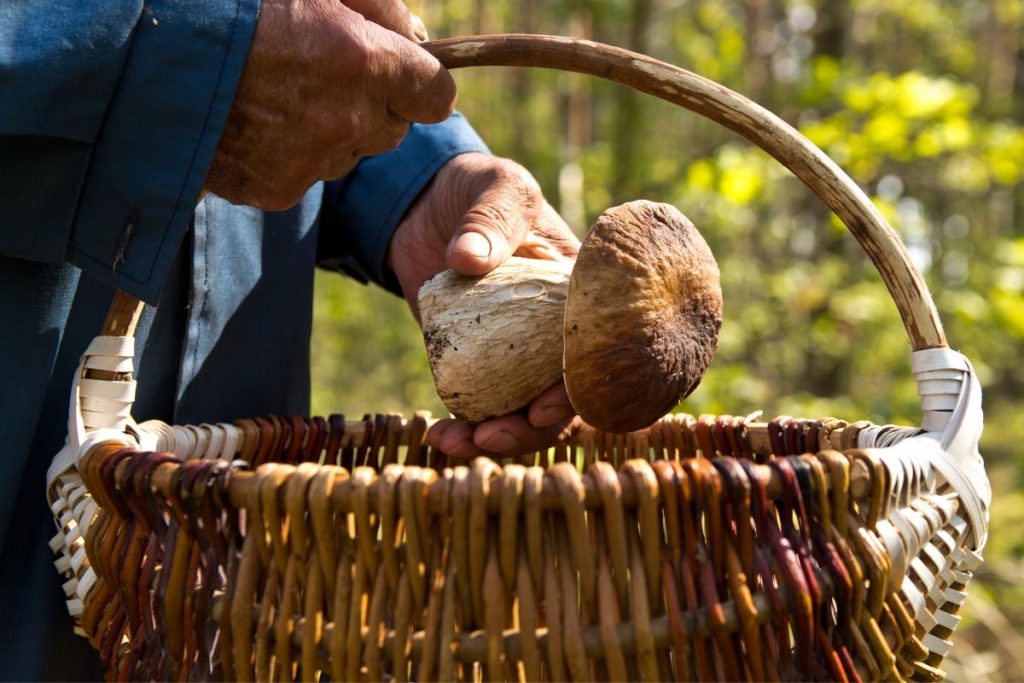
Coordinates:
(202,437)
(948,543)
(232,435)
(895,546)
(972,559)
(75,495)
(942,564)
(88,515)
(111,346)
(80,508)
(961,577)
(947,620)
(57,543)
(937,403)
(954,596)
(96,404)
(111,364)
(940,374)
(155,435)
(918,607)
(184,441)
(78,559)
(103,353)
(938,594)
(939,385)
(937,645)
(58,505)
(964,471)
(93,420)
(86,583)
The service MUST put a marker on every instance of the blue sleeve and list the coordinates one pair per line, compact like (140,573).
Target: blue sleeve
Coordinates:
(361,211)
(110,114)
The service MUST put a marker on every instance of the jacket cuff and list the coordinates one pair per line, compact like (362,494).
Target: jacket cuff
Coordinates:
(158,138)
(362,210)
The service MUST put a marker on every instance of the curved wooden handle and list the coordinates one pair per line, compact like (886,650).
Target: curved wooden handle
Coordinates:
(718,103)
(739,114)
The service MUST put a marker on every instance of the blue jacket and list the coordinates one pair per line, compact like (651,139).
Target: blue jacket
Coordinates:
(110,112)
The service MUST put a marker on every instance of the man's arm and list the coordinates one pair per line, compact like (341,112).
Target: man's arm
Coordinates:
(110,117)
(113,121)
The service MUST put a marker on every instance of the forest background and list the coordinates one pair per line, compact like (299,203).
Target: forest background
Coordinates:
(920,101)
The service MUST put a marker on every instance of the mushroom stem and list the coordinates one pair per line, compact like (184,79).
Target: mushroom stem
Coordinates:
(495,342)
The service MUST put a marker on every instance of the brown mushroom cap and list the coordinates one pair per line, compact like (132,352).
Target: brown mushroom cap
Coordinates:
(642,316)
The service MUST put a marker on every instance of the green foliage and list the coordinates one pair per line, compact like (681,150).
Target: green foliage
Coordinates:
(921,101)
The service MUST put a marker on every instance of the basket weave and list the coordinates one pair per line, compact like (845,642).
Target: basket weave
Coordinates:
(699,548)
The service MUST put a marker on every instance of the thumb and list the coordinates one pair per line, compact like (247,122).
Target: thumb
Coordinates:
(489,232)
(418,87)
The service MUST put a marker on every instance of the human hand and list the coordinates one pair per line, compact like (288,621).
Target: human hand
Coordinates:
(478,211)
(325,83)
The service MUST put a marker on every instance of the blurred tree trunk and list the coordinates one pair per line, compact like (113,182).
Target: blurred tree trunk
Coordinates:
(578,129)
(822,372)
(834,18)
(481,17)
(757,62)
(522,86)
(629,133)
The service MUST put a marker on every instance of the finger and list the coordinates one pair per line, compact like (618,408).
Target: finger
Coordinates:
(550,239)
(493,228)
(512,435)
(391,14)
(551,407)
(558,233)
(418,88)
(453,437)
(389,134)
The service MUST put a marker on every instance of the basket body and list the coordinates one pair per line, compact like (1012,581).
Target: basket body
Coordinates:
(709,548)
(288,548)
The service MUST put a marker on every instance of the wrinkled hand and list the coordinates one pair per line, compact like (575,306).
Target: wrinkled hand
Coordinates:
(478,211)
(325,83)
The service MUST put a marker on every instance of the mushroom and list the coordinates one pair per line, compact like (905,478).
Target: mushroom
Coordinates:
(633,325)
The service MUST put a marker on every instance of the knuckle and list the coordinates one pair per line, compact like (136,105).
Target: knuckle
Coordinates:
(388,134)
(358,55)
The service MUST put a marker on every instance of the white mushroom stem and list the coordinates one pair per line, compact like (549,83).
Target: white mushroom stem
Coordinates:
(495,342)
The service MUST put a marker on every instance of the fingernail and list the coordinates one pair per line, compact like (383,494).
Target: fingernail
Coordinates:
(551,415)
(499,442)
(419,29)
(472,244)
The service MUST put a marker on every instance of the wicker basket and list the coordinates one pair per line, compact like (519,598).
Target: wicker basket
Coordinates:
(708,548)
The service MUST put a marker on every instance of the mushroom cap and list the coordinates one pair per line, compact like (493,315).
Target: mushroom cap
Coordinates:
(642,317)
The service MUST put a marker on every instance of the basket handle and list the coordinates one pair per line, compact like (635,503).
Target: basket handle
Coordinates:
(718,103)
(757,124)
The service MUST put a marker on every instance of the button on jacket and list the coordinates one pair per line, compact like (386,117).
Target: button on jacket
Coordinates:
(110,113)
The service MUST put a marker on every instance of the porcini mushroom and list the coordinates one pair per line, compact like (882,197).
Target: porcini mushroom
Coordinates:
(633,325)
